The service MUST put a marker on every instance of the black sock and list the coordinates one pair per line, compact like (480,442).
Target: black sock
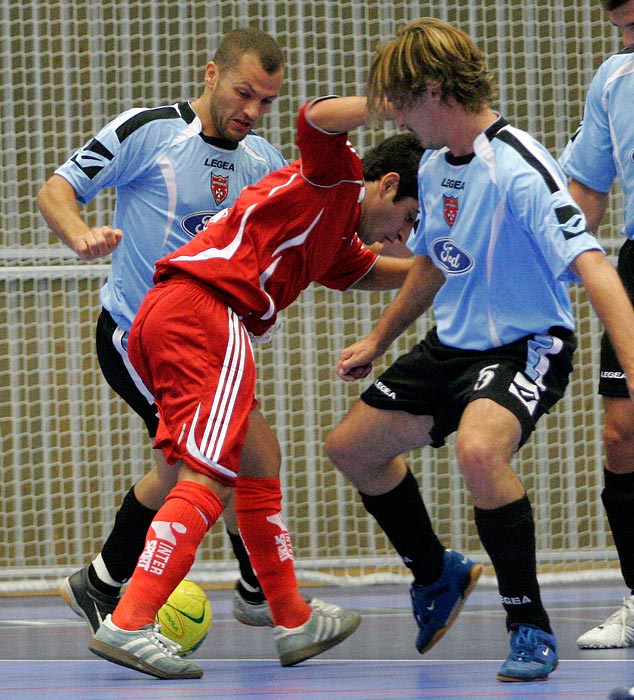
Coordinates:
(126,540)
(618,501)
(100,585)
(508,535)
(403,517)
(246,570)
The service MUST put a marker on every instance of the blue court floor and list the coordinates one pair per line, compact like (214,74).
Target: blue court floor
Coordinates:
(44,655)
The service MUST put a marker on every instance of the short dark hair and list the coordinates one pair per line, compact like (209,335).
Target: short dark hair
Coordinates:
(397,154)
(609,5)
(238,42)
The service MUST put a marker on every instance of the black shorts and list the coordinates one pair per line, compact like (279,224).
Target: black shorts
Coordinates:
(112,344)
(527,376)
(612,378)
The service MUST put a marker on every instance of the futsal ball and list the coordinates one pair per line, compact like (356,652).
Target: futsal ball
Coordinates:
(186,616)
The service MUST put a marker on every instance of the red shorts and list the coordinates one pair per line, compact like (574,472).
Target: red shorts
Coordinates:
(195,356)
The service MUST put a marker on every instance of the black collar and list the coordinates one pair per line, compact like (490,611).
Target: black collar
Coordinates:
(490,133)
(188,114)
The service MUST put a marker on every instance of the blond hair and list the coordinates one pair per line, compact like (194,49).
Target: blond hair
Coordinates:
(426,51)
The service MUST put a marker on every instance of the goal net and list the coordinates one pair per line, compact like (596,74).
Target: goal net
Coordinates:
(71,448)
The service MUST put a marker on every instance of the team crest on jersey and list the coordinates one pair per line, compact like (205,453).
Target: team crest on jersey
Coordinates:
(219,187)
(450,209)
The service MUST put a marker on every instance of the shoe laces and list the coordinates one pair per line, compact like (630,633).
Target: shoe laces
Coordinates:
(524,643)
(619,617)
(325,609)
(425,608)
(166,645)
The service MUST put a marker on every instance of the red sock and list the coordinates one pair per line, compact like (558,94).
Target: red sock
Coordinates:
(170,548)
(258,506)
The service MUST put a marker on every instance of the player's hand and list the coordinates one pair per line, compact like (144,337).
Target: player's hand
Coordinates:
(355,361)
(97,242)
(355,373)
(392,249)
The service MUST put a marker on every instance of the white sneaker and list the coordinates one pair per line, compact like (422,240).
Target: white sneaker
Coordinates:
(327,626)
(259,614)
(145,650)
(617,632)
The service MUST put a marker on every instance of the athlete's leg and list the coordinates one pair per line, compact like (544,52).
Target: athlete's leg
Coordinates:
(487,437)
(190,509)
(116,561)
(617,631)
(366,447)
(118,557)
(618,436)
(258,509)
(124,544)
(260,455)
(618,492)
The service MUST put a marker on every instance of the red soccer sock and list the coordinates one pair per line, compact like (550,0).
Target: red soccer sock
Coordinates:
(170,548)
(258,506)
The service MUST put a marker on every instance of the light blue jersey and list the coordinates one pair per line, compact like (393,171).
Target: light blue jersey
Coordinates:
(603,146)
(169,180)
(503,229)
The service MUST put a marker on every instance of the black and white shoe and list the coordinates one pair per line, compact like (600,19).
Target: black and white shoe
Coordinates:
(85,600)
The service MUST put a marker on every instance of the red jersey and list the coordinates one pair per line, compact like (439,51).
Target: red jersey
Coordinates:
(294,227)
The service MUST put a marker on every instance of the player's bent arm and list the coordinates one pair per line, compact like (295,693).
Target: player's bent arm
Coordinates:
(414,298)
(338,114)
(591,202)
(58,204)
(387,273)
(612,305)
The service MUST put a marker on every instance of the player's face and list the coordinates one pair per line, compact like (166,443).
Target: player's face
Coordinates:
(385,221)
(240,95)
(623,18)
(422,118)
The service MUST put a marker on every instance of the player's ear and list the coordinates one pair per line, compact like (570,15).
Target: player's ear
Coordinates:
(211,74)
(389,185)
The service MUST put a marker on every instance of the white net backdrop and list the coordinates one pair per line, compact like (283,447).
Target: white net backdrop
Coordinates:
(71,448)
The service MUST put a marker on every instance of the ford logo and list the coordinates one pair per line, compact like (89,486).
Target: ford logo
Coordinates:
(195,223)
(450,257)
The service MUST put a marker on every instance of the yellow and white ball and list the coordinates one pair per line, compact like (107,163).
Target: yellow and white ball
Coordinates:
(186,616)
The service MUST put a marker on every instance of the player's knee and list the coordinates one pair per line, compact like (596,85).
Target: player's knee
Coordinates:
(618,436)
(207,497)
(338,448)
(476,455)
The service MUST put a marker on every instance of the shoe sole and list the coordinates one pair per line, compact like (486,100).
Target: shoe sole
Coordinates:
(298,655)
(121,657)
(474,575)
(512,679)
(250,621)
